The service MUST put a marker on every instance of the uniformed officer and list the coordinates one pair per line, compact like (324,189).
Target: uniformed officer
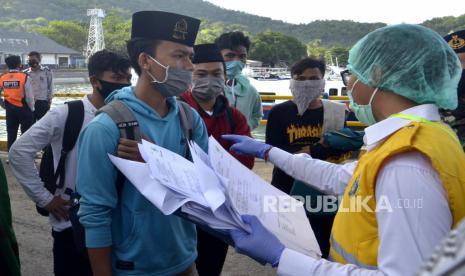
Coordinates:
(41,84)
(18,98)
(456,118)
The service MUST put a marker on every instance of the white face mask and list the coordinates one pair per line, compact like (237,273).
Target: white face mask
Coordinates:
(304,92)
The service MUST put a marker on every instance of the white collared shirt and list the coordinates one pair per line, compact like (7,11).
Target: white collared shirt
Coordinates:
(408,233)
(41,83)
(48,130)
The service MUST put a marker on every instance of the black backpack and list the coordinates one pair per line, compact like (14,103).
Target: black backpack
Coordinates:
(56,179)
(129,128)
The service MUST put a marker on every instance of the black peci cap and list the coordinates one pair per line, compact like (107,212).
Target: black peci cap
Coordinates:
(456,41)
(165,26)
(204,53)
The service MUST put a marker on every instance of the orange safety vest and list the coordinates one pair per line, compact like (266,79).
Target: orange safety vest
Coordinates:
(13,85)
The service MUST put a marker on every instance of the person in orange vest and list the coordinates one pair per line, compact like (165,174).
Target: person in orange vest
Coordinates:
(18,99)
(406,193)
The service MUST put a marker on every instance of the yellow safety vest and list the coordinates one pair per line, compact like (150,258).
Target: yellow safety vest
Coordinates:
(354,237)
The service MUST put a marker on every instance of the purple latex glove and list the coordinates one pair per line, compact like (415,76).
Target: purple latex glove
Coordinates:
(247,146)
(261,245)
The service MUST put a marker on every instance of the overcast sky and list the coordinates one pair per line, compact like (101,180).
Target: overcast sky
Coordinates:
(387,11)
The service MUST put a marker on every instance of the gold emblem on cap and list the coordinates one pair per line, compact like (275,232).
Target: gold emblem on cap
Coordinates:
(180,29)
(456,42)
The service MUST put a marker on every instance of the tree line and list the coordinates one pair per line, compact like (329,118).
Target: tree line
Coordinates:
(272,48)
(331,33)
(273,42)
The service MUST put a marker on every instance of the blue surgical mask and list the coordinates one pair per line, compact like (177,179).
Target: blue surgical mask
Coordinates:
(364,113)
(234,68)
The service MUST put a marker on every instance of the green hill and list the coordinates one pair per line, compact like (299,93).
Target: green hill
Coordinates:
(342,33)
(330,32)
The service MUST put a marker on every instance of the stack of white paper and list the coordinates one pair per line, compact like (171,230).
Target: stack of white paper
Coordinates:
(216,189)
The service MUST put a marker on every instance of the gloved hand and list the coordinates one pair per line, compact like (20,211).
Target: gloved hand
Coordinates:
(261,245)
(247,146)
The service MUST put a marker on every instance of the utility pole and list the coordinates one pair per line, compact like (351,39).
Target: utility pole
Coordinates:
(95,41)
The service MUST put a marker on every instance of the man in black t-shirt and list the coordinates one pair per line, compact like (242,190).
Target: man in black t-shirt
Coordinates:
(294,133)
(298,126)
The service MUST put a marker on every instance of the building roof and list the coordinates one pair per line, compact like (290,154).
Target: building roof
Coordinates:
(23,42)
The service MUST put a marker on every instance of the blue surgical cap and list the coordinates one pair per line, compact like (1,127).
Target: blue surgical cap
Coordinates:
(409,60)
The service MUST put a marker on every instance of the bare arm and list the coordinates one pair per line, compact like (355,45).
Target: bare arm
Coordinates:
(100,260)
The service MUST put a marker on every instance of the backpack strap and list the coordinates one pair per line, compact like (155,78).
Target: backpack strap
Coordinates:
(230,118)
(73,127)
(187,124)
(124,119)
(128,128)
(187,119)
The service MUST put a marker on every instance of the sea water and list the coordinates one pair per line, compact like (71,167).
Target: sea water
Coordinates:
(258,133)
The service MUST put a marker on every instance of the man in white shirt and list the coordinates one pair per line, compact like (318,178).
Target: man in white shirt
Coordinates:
(107,72)
(413,192)
(41,84)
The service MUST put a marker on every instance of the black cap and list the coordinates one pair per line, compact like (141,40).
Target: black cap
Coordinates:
(204,53)
(456,41)
(165,26)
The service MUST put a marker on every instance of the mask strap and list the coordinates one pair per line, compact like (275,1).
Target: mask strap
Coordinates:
(162,66)
(233,83)
(353,86)
(373,95)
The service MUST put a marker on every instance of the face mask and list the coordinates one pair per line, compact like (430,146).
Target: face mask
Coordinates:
(108,87)
(205,89)
(364,113)
(234,68)
(304,92)
(175,83)
(32,63)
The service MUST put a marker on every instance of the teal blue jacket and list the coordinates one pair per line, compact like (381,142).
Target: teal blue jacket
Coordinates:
(245,97)
(139,234)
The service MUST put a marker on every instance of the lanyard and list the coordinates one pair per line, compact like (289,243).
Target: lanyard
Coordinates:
(410,117)
(232,92)
(404,116)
